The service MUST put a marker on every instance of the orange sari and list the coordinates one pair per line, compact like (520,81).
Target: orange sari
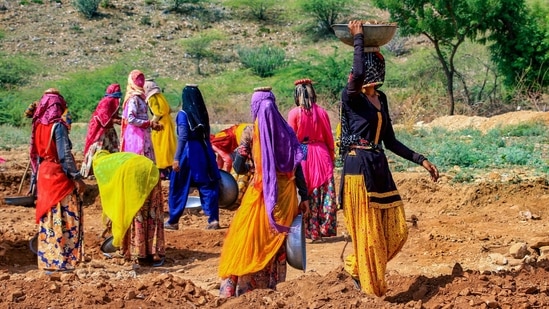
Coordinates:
(251,242)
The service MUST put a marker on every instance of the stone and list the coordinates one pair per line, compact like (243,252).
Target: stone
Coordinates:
(498,259)
(537,242)
(544,251)
(518,250)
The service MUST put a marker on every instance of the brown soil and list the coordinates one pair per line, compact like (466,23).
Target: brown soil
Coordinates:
(457,254)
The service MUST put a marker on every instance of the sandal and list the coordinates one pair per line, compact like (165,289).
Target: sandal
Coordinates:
(213,226)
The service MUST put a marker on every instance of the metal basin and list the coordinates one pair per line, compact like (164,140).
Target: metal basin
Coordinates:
(228,190)
(27,201)
(33,244)
(193,203)
(107,246)
(296,254)
(375,35)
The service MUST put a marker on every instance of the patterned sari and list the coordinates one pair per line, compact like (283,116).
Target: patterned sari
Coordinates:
(58,208)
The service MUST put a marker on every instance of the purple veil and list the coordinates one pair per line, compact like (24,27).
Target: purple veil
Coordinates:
(280,149)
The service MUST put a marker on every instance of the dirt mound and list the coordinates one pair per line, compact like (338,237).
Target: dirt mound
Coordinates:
(484,124)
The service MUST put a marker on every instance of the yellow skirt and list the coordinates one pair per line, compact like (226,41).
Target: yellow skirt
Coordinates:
(251,242)
(377,235)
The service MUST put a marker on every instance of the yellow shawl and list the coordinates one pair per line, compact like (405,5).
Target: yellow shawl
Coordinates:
(125,180)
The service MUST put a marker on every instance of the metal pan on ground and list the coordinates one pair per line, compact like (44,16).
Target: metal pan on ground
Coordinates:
(33,244)
(107,246)
(296,254)
(228,190)
(26,201)
(193,204)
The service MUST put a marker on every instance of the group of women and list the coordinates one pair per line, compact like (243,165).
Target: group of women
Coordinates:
(293,171)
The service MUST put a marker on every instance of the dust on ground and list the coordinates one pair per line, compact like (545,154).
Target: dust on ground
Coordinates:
(475,245)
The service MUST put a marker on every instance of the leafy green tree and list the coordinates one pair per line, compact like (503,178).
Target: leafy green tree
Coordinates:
(520,42)
(198,47)
(325,13)
(447,24)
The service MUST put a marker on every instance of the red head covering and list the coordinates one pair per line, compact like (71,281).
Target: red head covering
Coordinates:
(50,109)
(106,110)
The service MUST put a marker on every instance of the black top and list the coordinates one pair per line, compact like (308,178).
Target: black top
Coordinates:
(361,122)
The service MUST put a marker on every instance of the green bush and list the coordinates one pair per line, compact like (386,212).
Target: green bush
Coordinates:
(88,8)
(522,129)
(328,72)
(463,176)
(14,137)
(324,14)
(472,149)
(15,70)
(257,8)
(180,5)
(263,61)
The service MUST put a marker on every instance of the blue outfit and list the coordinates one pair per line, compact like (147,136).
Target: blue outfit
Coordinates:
(198,168)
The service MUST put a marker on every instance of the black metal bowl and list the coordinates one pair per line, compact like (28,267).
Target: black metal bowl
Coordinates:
(107,246)
(27,201)
(33,244)
(228,190)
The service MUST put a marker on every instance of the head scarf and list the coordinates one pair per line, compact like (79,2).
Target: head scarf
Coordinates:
(304,93)
(151,88)
(49,110)
(106,109)
(195,108)
(136,81)
(280,149)
(374,68)
(51,107)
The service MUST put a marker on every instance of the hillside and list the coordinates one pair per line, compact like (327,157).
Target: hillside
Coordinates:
(148,37)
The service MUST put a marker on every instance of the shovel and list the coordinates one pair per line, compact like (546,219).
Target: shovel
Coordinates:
(23,178)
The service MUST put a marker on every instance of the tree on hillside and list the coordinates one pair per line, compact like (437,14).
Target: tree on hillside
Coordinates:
(520,43)
(447,24)
(198,47)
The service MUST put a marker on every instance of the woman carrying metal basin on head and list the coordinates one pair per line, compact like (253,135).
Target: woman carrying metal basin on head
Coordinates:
(373,208)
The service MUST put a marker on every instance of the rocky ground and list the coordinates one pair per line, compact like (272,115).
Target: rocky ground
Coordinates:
(475,245)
